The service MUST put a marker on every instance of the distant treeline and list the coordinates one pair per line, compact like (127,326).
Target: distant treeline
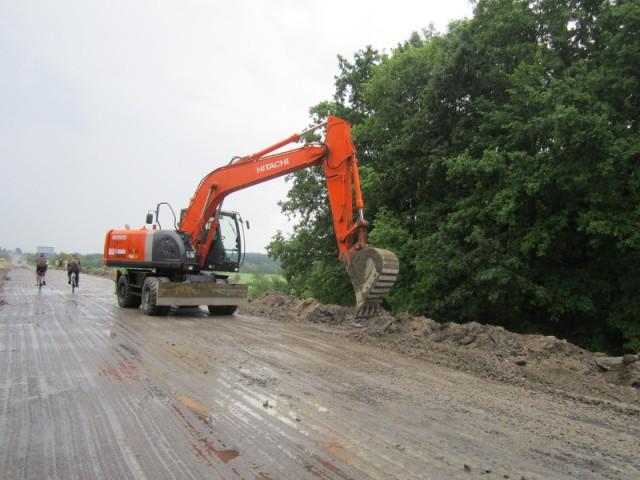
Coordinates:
(254,262)
(260,263)
(91,260)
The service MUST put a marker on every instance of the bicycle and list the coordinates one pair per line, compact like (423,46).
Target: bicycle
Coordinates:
(73,281)
(39,280)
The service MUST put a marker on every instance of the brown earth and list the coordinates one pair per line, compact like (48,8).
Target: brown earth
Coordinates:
(535,362)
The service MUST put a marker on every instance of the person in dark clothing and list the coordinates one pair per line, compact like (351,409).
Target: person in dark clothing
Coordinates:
(42,263)
(74,266)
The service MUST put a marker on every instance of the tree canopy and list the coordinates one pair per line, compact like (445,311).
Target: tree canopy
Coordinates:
(500,162)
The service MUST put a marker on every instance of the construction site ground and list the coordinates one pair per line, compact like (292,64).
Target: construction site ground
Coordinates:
(291,389)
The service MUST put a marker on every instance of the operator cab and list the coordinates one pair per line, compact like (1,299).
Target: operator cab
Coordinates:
(226,254)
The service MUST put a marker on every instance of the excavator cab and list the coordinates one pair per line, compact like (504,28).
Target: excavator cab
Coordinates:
(226,253)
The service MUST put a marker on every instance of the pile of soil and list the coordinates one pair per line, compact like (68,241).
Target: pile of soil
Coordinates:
(533,361)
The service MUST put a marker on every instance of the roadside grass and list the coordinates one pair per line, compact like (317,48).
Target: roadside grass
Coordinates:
(99,271)
(5,266)
(260,283)
(241,277)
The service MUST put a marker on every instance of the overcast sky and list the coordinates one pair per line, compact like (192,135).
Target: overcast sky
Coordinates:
(108,107)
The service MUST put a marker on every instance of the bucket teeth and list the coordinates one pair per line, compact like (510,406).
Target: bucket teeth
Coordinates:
(373,272)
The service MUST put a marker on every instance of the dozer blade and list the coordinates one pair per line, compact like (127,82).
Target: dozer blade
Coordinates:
(373,272)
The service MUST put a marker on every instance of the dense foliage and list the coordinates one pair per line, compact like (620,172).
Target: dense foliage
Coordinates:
(500,161)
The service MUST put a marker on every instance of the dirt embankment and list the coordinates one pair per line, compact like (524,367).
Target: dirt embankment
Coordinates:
(535,362)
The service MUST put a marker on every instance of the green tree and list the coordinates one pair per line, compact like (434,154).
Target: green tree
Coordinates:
(500,162)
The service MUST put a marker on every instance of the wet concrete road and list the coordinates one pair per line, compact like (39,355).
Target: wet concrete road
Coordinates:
(89,390)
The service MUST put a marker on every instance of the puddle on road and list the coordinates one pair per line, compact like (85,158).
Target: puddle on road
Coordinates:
(193,405)
(123,371)
(202,412)
(224,455)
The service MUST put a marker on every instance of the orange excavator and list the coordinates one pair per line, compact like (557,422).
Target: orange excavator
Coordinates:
(158,268)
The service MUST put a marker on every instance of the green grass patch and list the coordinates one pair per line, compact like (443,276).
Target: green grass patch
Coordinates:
(260,283)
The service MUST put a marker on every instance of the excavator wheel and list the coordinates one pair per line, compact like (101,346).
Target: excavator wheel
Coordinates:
(373,271)
(150,297)
(126,299)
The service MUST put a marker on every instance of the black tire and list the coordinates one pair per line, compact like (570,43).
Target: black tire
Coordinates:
(222,309)
(150,297)
(126,299)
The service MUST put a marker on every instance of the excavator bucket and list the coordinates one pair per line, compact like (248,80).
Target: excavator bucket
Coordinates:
(373,272)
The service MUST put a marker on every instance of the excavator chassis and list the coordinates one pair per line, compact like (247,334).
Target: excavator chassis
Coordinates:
(156,294)
(373,272)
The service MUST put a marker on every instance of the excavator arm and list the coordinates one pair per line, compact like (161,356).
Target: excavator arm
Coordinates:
(372,271)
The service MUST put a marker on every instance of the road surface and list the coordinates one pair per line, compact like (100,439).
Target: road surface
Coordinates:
(90,391)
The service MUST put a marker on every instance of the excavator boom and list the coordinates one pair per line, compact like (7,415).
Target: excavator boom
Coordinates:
(372,271)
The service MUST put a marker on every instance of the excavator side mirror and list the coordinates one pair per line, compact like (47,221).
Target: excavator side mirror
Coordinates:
(248,227)
(149,218)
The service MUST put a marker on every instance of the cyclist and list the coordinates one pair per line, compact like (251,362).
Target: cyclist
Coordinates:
(42,263)
(74,265)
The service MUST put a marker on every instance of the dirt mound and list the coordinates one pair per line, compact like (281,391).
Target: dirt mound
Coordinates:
(486,351)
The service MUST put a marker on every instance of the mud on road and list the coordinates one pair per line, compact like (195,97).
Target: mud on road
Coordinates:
(291,389)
